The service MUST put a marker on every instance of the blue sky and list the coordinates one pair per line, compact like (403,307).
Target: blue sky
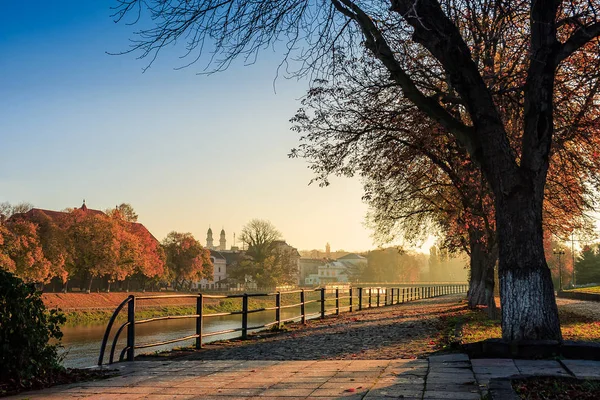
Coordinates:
(186,150)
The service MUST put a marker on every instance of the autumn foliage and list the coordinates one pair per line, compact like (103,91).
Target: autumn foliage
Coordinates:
(87,245)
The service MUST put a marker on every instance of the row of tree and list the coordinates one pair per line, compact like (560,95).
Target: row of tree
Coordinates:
(587,267)
(85,245)
(391,264)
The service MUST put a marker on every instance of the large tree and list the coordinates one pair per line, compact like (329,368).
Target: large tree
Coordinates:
(418,179)
(187,260)
(400,32)
(268,262)
(258,235)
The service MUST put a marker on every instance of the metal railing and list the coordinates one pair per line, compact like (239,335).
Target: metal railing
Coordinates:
(366,297)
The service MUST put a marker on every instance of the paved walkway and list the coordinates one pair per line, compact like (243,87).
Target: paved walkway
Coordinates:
(451,376)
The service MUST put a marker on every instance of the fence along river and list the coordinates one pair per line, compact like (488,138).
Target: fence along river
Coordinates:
(82,343)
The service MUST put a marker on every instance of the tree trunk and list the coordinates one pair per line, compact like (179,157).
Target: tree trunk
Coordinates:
(108,285)
(89,289)
(481,285)
(65,286)
(529,308)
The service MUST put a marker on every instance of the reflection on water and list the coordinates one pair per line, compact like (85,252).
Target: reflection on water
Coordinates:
(82,343)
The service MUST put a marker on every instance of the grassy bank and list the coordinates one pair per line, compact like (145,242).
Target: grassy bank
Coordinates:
(87,316)
(591,289)
(474,326)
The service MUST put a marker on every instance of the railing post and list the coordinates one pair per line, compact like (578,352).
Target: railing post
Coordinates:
(378,295)
(322,302)
(131,329)
(278,309)
(403,294)
(360,295)
(245,316)
(337,301)
(350,299)
(199,306)
(303,306)
(370,296)
(397,295)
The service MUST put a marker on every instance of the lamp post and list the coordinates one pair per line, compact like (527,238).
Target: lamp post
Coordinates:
(559,252)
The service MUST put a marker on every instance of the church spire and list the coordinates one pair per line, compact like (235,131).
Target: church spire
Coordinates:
(209,239)
(222,241)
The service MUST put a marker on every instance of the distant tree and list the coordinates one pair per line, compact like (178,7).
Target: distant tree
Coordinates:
(9,210)
(587,266)
(435,264)
(123,211)
(392,264)
(151,262)
(23,246)
(95,250)
(258,235)
(54,239)
(186,259)
(6,263)
(267,262)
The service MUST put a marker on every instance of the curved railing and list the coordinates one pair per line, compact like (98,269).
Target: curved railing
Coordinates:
(367,297)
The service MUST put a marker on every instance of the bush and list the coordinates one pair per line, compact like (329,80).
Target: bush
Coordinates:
(26,328)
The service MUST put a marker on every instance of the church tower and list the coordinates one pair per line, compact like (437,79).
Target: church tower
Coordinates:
(222,241)
(327,251)
(209,239)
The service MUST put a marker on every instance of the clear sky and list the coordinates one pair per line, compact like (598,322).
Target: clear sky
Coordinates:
(186,150)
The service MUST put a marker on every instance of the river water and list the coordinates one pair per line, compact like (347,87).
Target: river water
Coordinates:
(81,344)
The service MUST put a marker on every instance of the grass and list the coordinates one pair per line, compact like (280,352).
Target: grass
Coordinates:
(90,317)
(591,289)
(474,326)
(546,388)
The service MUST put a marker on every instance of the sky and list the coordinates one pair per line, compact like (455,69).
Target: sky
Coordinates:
(187,151)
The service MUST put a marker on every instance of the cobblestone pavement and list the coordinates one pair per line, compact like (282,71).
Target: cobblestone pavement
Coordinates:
(407,330)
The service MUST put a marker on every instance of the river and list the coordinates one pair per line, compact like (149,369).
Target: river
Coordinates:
(81,344)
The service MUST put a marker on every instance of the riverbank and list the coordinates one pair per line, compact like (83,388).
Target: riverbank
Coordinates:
(97,308)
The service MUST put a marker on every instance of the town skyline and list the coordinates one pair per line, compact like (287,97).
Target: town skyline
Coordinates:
(232,237)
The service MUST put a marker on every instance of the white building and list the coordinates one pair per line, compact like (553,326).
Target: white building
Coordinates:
(332,271)
(219,272)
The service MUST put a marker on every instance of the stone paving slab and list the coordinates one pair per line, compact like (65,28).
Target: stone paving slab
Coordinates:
(446,377)
(583,368)
(227,380)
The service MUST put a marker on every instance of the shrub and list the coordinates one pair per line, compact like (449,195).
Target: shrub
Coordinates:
(26,327)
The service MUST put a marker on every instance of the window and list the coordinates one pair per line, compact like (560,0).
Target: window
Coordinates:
(219,269)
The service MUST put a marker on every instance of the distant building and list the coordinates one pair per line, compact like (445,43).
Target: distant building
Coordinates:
(224,260)
(219,273)
(56,216)
(307,267)
(222,241)
(329,271)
